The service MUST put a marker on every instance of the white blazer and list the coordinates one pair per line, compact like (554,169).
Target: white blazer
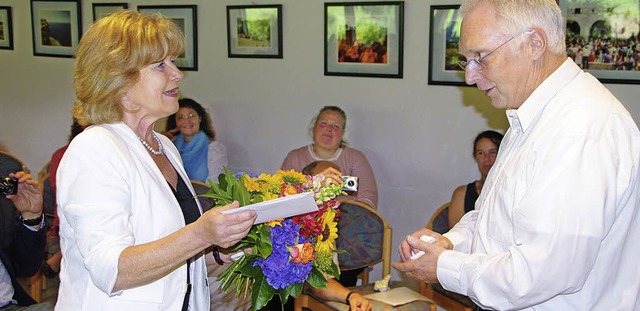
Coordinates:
(112,195)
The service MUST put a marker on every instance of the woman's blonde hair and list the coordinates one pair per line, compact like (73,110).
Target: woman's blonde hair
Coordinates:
(110,56)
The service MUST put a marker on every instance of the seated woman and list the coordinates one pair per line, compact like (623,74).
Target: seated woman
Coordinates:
(485,149)
(327,131)
(203,156)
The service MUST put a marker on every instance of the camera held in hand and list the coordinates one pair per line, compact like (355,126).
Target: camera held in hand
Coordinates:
(350,183)
(8,185)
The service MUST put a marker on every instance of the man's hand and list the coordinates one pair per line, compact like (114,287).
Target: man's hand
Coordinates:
(425,267)
(28,200)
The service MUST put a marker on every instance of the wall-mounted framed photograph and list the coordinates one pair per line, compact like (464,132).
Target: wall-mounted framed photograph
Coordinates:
(364,39)
(185,16)
(6,28)
(101,10)
(56,27)
(254,31)
(444,36)
(603,38)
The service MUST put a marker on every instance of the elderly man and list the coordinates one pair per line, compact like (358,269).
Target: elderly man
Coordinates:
(557,222)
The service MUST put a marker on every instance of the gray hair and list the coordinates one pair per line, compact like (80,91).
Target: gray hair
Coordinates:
(515,15)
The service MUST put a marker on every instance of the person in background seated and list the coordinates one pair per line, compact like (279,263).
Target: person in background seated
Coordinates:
(327,131)
(132,232)
(485,150)
(22,242)
(203,156)
(328,145)
(51,266)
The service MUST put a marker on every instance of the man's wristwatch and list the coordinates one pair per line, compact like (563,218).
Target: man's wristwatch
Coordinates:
(33,222)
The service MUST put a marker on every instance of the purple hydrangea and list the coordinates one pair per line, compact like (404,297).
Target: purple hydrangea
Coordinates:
(279,271)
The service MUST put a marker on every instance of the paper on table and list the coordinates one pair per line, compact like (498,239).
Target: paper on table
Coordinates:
(397,296)
(283,207)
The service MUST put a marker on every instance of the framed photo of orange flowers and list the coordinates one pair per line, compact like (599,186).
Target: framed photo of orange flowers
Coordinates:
(364,39)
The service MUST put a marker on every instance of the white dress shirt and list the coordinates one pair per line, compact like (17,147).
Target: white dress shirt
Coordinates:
(112,195)
(556,226)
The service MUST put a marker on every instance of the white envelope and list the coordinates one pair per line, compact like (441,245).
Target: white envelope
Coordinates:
(283,207)
(397,296)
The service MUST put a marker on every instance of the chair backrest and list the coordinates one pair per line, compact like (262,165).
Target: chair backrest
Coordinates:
(202,188)
(9,164)
(439,221)
(365,235)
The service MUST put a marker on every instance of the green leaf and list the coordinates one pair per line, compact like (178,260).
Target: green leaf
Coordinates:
(316,278)
(292,290)
(261,293)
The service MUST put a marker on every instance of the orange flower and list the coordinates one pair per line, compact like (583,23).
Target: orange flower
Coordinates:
(288,190)
(302,253)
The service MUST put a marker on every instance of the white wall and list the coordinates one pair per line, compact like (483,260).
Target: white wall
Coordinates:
(417,136)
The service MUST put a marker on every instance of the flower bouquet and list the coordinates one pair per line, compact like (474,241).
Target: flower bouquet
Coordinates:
(285,253)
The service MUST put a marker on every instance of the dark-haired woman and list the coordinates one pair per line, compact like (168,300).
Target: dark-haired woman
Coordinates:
(203,156)
(485,149)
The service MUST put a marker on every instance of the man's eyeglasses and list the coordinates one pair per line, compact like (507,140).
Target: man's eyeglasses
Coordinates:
(476,63)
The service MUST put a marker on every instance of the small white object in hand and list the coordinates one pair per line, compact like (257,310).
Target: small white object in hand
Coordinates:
(237,255)
(424,238)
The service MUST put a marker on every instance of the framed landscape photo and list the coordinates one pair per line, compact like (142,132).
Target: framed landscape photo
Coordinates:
(603,38)
(56,27)
(6,28)
(444,37)
(101,10)
(185,16)
(363,39)
(254,31)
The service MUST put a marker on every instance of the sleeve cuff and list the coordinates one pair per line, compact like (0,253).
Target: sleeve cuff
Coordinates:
(449,270)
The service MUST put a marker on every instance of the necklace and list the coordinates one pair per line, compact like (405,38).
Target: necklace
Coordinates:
(146,145)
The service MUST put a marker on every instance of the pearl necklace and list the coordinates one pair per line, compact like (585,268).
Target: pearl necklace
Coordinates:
(146,145)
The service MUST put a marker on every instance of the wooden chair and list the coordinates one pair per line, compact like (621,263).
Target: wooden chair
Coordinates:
(369,243)
(450,301)
(11,164)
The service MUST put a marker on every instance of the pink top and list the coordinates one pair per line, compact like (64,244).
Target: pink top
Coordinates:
(351,163)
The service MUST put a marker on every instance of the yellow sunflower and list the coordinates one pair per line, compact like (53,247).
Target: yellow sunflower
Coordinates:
(326,239)
(292,177)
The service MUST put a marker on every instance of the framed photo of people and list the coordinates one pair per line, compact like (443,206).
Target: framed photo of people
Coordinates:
(101,10)
(444,36)
(6,28)
(185,16)
(56,27)
(254,31)
(603,38)
(364,39)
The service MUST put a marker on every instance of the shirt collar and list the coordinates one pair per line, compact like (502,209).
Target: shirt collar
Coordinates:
(523,117)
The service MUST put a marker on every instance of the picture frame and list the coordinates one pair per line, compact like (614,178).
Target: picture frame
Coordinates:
(444,37)
(186,17)
(56,27)
(6,28)
(254,31)
(364,39)
(599,38)
(101,10)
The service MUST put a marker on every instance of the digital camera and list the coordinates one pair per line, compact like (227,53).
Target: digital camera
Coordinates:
(350,183)
(8,185)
